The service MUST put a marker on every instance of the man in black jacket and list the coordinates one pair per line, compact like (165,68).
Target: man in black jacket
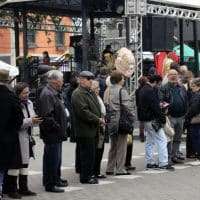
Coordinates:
(53,131)
(176,95)
(11,119)
(150,113)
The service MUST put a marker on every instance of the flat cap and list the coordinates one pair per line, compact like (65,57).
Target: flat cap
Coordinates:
(87,74)
(4,75)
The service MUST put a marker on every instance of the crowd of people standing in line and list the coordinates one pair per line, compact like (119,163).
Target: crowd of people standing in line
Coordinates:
(88,110)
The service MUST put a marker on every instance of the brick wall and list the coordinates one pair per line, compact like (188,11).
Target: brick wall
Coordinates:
(45,41)
(5,41)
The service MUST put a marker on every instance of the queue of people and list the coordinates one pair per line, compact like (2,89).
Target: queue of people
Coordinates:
(89,111)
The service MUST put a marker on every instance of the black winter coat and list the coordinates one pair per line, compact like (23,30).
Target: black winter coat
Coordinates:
(53,129)
(194,108)
(148,105)
(11,119)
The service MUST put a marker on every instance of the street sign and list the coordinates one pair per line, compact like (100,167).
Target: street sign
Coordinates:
(135,7)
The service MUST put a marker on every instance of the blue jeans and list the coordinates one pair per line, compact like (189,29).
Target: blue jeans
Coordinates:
(155,138)
(51,164)
(1,179)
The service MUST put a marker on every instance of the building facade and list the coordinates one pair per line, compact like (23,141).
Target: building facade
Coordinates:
(54,40)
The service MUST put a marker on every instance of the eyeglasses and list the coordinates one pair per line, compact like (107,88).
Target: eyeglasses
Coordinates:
(89,78)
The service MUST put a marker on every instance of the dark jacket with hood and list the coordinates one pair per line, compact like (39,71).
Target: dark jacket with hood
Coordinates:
(149,105)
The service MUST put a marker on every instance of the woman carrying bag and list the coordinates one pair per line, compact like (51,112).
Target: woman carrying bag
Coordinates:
(118,103)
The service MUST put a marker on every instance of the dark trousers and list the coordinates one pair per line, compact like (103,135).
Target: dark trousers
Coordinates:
(77,158)
(98,159)
(51,164)
(169,149)
(129,153)
(59,172)
(141,133)
(87,158)
(189,148)
(196,138)
(1,180)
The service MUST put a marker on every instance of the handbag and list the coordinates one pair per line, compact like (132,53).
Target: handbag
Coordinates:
(169,131)
(126,119)
(129,139)
(196,120)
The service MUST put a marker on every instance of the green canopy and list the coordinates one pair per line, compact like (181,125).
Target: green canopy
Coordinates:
(188,51)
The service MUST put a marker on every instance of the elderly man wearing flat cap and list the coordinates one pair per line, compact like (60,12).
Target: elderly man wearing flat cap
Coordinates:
(87,120)
(11,119)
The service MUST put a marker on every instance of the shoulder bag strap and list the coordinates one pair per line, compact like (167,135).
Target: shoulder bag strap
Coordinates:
(120,99)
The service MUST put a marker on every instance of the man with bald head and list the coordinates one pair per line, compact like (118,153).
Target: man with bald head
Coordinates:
(175,94)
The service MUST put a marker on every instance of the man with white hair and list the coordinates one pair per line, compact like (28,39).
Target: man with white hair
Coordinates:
(175,94)
(53,131)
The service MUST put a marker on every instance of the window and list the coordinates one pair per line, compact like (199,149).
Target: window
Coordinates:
(31,35)
(60,38)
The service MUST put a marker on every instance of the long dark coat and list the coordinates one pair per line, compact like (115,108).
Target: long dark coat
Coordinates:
(11,119)
(86,113)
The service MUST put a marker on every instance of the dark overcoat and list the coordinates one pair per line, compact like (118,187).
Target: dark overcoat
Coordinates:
(86,113)
(11,119)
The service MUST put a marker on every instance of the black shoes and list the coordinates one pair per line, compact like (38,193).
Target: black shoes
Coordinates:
(90,181)
(27,193)
(101,176)
(155,166)
(62,184)
(110,173)
(191,156)
(167,167)
(14,195)
(122,173)
(131,168)
(152,166)
(176,160)
(180,156)
(63,180)
(54,190)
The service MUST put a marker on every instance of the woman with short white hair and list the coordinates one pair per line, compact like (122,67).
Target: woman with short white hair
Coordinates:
(101,133)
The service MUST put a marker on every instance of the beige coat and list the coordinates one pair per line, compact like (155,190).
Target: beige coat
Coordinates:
(111,100)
